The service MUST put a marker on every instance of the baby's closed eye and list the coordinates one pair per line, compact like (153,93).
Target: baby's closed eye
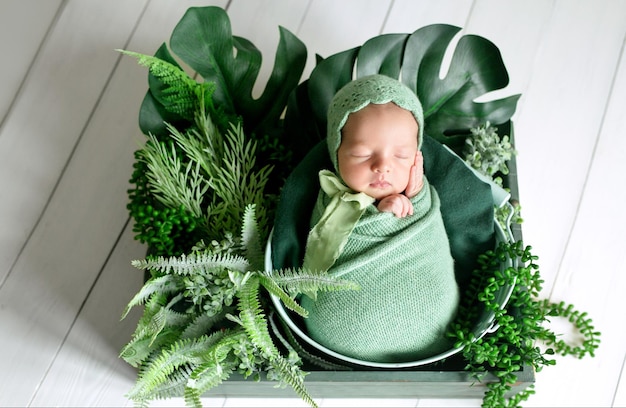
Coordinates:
(360,153)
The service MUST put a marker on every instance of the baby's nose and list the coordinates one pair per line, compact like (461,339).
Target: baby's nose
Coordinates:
(381,166)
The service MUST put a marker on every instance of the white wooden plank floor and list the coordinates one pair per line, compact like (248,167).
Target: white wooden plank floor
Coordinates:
(68,129)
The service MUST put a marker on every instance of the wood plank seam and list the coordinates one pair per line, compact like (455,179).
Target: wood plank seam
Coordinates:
(622,377)
(76,144)
(42,44)
(302,19)
(79,310)
(590,165)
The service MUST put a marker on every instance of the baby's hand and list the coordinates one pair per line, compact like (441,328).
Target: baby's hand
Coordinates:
(398,204)
(416,177)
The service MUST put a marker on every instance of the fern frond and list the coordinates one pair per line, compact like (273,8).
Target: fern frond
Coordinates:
(203,147)
(166,285)
(154,303)
(202,324)
(295,281)
(253,319)
(292,375)
(139,349)
(166,317)
(205,377)
(251,239)
(193,263)
(180,94)
(175,385)
(218,364)
(181,353)
(272,287)
(172,182)
(236,181)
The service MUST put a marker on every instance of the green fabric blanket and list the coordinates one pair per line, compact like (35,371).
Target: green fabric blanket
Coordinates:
(408,292)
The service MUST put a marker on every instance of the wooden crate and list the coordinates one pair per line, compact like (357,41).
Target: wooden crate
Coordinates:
(375,384)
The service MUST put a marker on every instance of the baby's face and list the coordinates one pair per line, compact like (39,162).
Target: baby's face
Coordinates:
(378,148)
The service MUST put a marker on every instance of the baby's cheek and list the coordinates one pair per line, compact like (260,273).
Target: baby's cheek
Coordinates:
(404,179)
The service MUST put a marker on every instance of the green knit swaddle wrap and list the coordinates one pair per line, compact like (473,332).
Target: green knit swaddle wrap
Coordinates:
(404,266)
(408,292)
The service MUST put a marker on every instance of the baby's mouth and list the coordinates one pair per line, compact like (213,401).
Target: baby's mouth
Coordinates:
(380,184)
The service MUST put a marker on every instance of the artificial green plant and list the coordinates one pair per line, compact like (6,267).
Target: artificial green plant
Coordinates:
(204,316)
(523,340)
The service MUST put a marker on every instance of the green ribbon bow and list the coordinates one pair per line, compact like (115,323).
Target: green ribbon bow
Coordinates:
(329,236)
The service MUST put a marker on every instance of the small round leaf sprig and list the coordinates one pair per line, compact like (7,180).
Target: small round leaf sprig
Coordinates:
(521,324)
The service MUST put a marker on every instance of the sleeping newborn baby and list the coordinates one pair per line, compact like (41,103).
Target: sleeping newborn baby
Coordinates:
(377,222)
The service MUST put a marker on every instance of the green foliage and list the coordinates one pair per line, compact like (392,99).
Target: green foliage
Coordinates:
(507,215)
(166,200)
(203,39)
(178,93)
(487,152)
(173,185)
(449,103)
(189,340)
(167,230)
(522,322)
(196,183)
(237,181)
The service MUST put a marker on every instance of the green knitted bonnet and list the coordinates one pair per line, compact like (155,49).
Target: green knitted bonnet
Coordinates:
(357,94)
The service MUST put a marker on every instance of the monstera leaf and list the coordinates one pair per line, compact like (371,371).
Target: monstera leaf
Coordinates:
(204,41)
(450,109)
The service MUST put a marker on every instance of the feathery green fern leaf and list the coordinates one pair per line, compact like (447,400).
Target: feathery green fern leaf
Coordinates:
(296,281)
(203,324)
(173,182)
(205,377)
(251,239)
(174,386)
(204,145)
(181,353)
(253,319)
(290,374)
(273,288)
(237,182)
(193,263)
(166,317)
(139,349)
(218,364)
(166,284)
(180,94)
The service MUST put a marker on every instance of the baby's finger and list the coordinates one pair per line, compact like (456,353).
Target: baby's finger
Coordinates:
(416,176)
(404,207)
(419,159)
